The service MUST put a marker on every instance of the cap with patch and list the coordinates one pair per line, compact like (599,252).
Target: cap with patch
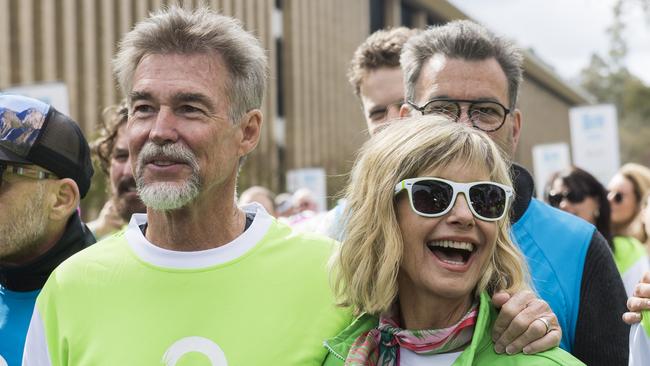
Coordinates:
(32,132)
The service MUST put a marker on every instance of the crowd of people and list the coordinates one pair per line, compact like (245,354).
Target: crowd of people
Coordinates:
(445,257)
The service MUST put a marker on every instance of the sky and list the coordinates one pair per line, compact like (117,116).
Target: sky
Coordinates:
(565,33)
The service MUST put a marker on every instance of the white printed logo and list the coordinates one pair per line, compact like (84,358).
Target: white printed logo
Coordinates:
(201,345)
(3,362)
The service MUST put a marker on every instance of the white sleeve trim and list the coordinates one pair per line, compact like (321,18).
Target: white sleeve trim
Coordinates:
(36,352)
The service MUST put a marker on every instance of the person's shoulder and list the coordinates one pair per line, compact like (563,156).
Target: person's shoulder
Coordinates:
(544,217)
(95,258)
(339,346)
(282,234)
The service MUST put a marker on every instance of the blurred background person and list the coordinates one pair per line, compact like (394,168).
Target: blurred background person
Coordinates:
(261,195)
(578,192)
(305,202)
(112,153)
(284,205)
(306,215)
(428,228)
(626,190)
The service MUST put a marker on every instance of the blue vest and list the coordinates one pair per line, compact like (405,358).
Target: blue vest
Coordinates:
(15,313)
(555,244)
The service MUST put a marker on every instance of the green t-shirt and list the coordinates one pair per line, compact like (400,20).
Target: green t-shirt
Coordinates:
(631,260)
(263,299)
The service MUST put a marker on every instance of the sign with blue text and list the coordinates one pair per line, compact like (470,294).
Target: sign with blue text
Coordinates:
(548,159)
(594,140)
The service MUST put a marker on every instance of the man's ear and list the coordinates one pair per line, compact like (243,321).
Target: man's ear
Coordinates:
(516,130)
(251,127)
(65,197)
(405,110)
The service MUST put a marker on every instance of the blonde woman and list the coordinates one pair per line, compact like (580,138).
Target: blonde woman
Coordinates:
(427,242)
(627,190)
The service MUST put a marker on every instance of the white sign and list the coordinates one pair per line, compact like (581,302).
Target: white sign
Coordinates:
(547,160)
(312,178)
(594,140)
(54,94)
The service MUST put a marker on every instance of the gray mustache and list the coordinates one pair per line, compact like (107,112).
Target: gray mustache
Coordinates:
(174,152)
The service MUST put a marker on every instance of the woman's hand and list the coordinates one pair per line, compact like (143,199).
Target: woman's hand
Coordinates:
(525,323)
(639,302)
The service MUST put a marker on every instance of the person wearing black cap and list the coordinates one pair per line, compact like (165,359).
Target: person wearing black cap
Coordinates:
(45,169)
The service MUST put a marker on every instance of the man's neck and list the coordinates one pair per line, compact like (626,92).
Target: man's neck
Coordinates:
(205,223)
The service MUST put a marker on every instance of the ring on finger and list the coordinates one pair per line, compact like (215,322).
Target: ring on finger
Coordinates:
(546,324)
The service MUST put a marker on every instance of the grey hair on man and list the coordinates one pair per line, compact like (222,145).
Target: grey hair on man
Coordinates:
(462,39)
(179,31)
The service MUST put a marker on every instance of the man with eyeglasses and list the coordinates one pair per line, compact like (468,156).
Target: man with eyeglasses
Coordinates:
(45,170)
(463,71)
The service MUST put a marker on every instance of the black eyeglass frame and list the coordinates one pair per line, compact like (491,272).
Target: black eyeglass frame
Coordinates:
(470,102)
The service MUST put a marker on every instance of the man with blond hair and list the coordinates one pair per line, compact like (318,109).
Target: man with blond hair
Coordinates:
(195,280)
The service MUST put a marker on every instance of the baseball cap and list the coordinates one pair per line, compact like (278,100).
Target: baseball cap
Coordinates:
(33,132)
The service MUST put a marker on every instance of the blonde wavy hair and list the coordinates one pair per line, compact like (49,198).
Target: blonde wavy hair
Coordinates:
(366,267)
(639,176)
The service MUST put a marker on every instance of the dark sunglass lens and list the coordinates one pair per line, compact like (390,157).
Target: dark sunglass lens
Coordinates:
(488,200)
(575,197)
(555,199)
(618,197)
(431,197)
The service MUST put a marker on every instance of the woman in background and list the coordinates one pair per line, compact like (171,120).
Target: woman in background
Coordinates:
(578,192)
(626,191)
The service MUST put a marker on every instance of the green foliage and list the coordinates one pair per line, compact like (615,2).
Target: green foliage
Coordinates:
(609,80)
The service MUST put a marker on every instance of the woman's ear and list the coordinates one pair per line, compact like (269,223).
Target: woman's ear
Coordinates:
(65,198)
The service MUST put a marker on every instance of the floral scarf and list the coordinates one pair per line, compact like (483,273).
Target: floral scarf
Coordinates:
(380,346)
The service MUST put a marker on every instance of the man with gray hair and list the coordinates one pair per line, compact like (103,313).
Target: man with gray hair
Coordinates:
(196,279)
(463,71)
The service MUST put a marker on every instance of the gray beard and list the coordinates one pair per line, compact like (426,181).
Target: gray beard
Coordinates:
(21,235)
(166,196)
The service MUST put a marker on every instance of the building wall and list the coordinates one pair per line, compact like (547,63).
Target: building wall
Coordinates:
(545,120)
(325,125)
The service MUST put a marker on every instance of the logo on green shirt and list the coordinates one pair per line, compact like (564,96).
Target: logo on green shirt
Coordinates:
(201,345)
